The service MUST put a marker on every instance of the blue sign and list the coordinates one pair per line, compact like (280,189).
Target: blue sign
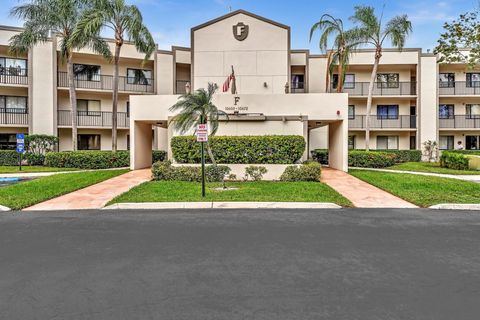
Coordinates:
(20,143)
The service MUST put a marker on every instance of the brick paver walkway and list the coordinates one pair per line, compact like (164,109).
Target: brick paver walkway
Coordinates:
(360,193)
(96,196)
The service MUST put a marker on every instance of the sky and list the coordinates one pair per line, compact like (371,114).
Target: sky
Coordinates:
(170,21)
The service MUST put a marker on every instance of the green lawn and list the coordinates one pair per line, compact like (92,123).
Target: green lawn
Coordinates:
(423,191)
(29,169)
(433,167)
(25,194)
(179,191)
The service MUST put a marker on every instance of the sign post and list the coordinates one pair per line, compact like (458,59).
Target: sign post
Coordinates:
(202,137)
(20,148)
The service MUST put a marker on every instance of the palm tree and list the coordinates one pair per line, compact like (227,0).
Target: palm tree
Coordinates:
(125,21)
(345,41)
(197,108)
(44,18)
(374,33)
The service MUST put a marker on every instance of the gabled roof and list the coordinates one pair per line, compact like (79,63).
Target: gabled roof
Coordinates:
(233,13)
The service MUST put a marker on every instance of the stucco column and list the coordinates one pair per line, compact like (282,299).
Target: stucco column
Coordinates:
(338,145)
(141,148)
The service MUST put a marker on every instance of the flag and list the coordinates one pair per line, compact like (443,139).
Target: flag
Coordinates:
(226,84)
(230,79)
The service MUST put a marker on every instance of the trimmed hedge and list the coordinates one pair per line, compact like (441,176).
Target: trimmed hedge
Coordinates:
(370,159)
(466,152)
(454,160)
(95,159)
(242,149)
(309,171)
(321,155)
(163,170)
(8,158)
(88,159)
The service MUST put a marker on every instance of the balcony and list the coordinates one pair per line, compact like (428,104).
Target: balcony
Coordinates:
(460,122)
(13,116)
(14,76)
(105,82)
(93,119)
(379,122)
(459,88)
(360,89)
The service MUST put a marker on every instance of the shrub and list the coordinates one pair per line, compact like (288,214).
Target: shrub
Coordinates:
(255,172)
(370,159)
(163,170)
(88,159)
(454,160)
(320,155)
(36,146)
(158,155)
(95,159)
(466,152)
(8,158)
(241,149)
(405,155)
(216,173)
(310,171)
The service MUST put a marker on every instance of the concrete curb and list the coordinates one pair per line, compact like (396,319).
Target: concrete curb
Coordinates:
(224,205)
(456,206)
(3,208)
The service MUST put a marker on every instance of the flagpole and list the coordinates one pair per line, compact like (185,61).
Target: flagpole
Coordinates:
(234,82)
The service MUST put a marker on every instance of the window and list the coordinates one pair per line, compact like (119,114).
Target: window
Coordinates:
(298,81)
(10,104)
(88,107)
(447,80)
(348,83)
(387,142)
(473,111)
(473,80)
(88,142)
(351,112)
(86,72)
(472,142)
(388,80)
(139,76)
(387,112)
(446,111)
(128,142)
(13,67)
(8,141)
(128,109)
(446,142)
(351,142)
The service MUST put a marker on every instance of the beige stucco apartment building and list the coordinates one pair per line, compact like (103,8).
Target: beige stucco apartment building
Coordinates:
(280,90)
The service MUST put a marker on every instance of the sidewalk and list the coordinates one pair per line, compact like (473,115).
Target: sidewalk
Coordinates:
(471,178)
(360,193)
(96,196)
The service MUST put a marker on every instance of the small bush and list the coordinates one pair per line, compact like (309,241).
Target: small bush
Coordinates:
(310,171)
(452,160)
(320,155)
(370,159)
(255,172)
(216,173)
(163,170)
(241,149)
(8,158)
(159,155)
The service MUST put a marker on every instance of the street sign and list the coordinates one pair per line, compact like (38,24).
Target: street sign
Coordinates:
(202,133)
(20,143)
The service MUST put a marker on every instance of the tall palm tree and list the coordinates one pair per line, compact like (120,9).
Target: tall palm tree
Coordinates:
(197,108)
(345,41)
(126,22)
(374,33)
(44,18)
